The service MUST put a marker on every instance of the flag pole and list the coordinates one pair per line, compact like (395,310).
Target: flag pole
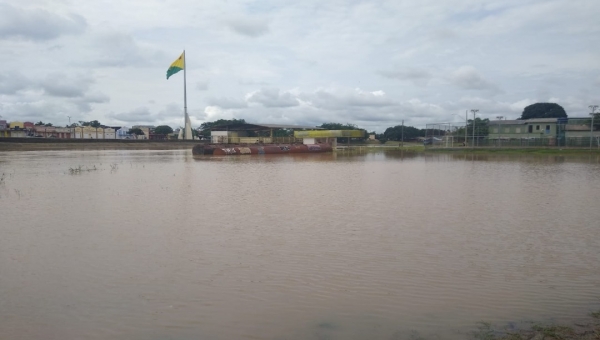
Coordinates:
(185,136)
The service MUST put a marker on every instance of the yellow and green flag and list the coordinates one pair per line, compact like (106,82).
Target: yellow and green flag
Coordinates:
(177,65)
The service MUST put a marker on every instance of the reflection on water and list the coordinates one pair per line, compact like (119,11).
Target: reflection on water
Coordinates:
(351,245)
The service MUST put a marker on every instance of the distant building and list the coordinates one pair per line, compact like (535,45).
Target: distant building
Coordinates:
(17,129)
(527,128)
(557,131)
(88,132)
(145,129)
(123,133)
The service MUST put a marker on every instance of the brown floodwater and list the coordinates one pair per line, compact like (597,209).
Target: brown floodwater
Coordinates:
(111,244)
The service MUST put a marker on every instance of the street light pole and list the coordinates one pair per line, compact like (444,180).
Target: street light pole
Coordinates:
(474,113)
(499,119)
(593,108)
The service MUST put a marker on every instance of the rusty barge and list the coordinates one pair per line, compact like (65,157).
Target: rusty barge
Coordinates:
(260,149)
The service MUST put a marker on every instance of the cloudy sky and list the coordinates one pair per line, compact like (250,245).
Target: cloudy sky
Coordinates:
(370,63)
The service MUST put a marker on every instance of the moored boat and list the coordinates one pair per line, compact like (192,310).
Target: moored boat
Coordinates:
(261,149)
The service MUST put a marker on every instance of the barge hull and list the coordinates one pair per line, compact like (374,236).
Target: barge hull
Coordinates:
(222,150)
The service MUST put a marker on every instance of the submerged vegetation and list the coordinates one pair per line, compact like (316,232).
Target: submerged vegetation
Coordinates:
(588,329)
(80,169)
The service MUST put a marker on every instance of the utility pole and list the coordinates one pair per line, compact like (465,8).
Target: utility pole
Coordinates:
(466,124)
(593,108)
(402,133)
(474,113)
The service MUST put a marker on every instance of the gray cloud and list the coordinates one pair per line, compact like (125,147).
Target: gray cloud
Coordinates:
(419,77)
(468,78)
(55,92)
(118,49)
(50,109)
(171,113)
(252,82)
(96,97)
(272,97)
(202,86)
(251,27)
(12,82)
(139,115)
(84,103)
(37,24)
(60,85)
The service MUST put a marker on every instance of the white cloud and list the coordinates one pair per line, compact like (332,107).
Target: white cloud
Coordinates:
(227,103)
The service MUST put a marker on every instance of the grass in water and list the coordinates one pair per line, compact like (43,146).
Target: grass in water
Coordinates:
(80,169)
(484,331)
(556,332)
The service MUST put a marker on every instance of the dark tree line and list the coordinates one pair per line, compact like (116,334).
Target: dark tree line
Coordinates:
(543,110)
(397,133)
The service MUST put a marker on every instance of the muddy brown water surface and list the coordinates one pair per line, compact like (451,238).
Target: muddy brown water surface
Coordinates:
(150,244)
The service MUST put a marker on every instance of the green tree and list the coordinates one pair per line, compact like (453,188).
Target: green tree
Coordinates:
(482,127)
(338,126)
(93,123)
(543,110)
(48,124)
(163,130)
(410,132)
(135,131)
(40,123)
